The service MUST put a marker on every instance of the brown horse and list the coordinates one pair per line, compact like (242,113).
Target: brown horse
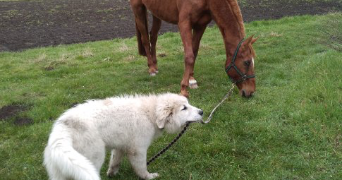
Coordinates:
(192,17)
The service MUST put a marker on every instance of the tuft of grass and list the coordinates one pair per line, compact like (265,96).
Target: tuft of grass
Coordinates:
(291,129)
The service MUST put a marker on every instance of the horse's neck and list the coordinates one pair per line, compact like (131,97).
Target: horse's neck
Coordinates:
(228,18)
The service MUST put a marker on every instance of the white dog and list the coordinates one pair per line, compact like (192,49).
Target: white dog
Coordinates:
(128,124)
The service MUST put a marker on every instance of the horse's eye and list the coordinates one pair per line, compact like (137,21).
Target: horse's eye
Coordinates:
(247,63)
(184,108)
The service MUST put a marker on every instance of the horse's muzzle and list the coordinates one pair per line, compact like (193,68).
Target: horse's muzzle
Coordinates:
(246,94)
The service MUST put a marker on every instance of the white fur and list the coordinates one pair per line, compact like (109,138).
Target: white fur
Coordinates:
(126,125)
(253,62)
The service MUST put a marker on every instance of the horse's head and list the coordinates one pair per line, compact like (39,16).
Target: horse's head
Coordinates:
(240,68)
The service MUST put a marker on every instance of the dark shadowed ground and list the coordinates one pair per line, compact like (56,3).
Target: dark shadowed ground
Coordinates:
(28,24)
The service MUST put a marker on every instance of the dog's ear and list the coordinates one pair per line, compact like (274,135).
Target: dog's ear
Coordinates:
(164,114)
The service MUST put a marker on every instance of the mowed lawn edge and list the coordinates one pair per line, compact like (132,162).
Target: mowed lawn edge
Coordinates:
(291,129)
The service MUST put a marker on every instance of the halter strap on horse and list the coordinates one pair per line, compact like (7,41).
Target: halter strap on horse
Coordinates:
(243,76)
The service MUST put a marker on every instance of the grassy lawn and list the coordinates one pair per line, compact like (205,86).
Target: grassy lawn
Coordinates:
(290,129)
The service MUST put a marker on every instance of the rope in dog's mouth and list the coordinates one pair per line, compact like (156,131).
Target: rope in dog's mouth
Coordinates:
(187,125)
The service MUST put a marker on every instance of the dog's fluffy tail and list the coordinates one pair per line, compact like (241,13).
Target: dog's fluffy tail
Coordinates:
(62,161)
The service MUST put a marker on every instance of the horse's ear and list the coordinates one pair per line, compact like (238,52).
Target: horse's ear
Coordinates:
(249,40)
(254,39)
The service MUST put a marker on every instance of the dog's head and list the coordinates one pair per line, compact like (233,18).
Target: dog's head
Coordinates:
(174,111)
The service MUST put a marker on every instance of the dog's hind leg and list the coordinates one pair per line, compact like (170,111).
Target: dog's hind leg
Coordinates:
(114,163)
(137,159)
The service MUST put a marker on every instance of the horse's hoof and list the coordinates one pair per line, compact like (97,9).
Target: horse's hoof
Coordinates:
(193,84)
(153,71)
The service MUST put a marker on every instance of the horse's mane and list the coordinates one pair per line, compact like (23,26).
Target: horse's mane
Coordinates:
(237,13)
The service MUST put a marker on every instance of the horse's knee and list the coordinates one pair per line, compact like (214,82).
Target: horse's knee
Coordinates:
(153,38)
(145,42)
(190,59)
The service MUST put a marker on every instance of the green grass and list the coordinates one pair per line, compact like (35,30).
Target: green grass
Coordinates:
(291,129)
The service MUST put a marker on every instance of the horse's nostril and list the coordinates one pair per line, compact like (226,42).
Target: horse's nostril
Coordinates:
(200,112)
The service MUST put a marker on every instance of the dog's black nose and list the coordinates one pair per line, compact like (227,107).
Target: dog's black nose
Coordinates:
(200,112)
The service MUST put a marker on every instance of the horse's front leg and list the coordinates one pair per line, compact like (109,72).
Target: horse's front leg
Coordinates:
(197,36)
(185,30)
(153,39)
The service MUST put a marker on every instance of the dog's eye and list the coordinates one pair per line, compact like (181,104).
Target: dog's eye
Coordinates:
(184,108)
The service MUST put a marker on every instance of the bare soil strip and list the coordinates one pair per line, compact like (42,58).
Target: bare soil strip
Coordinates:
(29,24)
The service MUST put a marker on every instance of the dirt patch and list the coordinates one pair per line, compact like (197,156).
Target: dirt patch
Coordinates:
(49,68)
(29,24)
(162,55)
(21,121)
(12,110)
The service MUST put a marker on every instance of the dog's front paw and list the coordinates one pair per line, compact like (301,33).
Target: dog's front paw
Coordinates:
(152,175)
(112,172)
